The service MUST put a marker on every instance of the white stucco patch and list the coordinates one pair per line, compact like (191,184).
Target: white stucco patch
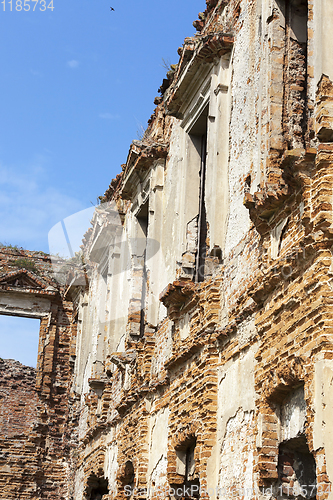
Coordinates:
(158,449)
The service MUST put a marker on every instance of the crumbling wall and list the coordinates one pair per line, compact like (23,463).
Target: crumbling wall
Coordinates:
(19,466)
(211,382)
(205,387)
(35,416)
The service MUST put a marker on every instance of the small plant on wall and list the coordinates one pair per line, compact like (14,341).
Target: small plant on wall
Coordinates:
(25,264)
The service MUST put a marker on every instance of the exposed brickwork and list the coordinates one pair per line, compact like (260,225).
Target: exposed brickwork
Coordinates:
(35,435)
(19,465)
(18,398)
(224,382)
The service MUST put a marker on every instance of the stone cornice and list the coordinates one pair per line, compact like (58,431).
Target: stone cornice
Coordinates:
(175,296)
(196,54)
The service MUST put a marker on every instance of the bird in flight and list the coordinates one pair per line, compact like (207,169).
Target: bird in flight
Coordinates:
(111,8)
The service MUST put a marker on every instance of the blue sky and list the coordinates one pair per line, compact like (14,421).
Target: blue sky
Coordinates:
(77,85)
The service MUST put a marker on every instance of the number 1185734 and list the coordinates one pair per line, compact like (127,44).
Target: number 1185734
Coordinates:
(26,5)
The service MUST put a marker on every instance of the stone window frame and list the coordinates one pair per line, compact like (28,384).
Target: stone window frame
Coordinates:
(276,389)
(141,199)
(212,85)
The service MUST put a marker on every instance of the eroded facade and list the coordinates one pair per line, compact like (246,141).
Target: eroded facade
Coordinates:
(35,404)
(203,361)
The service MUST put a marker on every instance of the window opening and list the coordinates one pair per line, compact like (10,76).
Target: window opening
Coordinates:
(142,218)
(102,317)
(198,135)
(127,478)
(295,71)
(96,488)
(190,463)
(186,467)
(103,293)
(297,470)
(19,338)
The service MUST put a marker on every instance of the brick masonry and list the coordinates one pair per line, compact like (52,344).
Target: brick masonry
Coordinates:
(225,382)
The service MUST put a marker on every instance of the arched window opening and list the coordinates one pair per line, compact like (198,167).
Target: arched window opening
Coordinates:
(188,468)
(295,13)
(96,488)
(297,470)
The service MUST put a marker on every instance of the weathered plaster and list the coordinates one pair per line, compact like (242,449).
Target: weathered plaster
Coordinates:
(323,408)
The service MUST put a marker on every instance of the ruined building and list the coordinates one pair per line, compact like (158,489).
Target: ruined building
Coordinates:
(190,355)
